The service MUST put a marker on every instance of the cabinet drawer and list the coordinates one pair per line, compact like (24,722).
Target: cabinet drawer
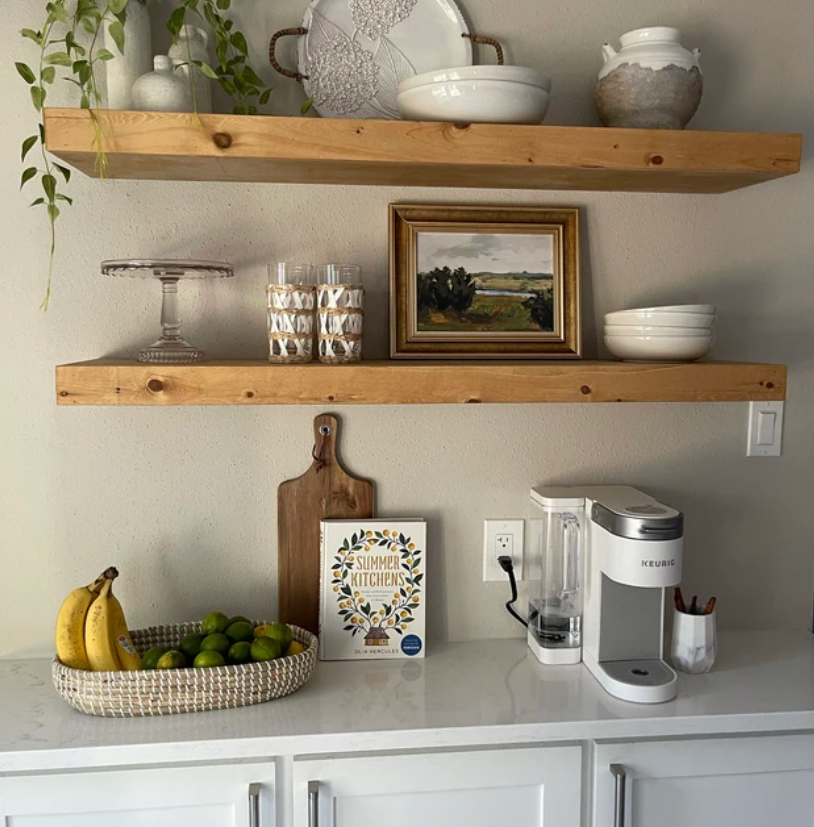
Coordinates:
(211,796)
(519,787)
(748,782)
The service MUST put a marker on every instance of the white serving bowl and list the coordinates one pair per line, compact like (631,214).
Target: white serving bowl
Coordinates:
(515,74)
(474,100)
(654,330)
(662,318)
(659,348)
(676,308)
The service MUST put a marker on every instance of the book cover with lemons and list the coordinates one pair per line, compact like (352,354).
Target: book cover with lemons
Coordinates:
(372,595)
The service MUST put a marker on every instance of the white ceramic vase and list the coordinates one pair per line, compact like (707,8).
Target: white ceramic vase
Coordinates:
(193,44)
(162,90)
(125,69)
(653,82)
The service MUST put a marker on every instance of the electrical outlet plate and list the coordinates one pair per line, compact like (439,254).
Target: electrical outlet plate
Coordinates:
(502,537)
(765,429)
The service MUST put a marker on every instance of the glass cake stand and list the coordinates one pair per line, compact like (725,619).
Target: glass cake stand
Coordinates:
(171,348)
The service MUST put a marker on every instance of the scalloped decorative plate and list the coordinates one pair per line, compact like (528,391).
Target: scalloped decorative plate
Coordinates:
(357,52)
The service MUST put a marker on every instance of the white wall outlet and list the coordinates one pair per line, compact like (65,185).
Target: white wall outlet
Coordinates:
(502,537)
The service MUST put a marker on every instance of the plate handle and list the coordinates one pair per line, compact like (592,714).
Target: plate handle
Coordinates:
(296,31)
(475,38)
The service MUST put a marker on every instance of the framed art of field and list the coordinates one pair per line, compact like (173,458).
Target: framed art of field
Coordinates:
(484,282)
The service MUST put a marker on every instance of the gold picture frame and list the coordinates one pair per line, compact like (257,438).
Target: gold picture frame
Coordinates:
(481,282)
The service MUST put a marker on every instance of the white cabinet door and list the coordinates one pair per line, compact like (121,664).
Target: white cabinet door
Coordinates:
(516,788)
(212,796)
(747,782)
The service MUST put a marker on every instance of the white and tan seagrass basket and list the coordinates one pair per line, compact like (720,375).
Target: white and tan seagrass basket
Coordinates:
(169,691)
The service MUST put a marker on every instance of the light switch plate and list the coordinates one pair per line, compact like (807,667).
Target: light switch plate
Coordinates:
(502,537)
(765,429)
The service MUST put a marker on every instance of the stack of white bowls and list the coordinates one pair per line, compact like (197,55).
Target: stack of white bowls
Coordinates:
(674,333)
(476,94)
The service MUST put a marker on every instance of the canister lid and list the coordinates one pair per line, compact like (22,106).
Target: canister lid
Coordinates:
(557,496)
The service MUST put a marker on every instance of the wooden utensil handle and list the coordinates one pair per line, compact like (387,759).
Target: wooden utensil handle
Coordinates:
(296,31)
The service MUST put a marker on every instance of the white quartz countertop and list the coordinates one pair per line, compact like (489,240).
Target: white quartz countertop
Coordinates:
(463,694)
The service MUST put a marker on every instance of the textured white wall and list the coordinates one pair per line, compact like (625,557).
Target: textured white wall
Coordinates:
(183,500)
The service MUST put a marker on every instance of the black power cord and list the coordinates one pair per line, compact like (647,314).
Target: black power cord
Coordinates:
(506,564)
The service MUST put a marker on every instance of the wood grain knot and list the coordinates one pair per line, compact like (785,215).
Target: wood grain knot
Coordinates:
(331,397)
(155,385)
(63,393)
(249,394)
(657,160)
(769,385)
(223,140)
(461,126)
(473,400)
(585,390)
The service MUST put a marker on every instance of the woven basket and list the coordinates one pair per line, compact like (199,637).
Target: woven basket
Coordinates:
(169,691)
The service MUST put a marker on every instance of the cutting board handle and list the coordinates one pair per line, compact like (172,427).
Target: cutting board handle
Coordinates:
(326,432)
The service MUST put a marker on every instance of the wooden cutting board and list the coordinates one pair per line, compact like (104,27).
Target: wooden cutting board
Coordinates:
(325,491)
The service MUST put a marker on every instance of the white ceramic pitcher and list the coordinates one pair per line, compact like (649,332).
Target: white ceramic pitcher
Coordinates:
(193,44)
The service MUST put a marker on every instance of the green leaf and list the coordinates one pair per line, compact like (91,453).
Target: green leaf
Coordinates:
(116,6)
(48,74)
(239,42)
(49,184)
(58,59)
(27,144)
(116,31)
(53,212)
(264,98)
(37,202)
(89,25)
(252,110)
(27,175)
(61,197)
(223,5)
(228,86)
(37,97)
(25,73)
(250,75)
(304,110)
(176,21)
(32,35)
(66,173)
(105,54)
(222,52)
(58,12)
(206,69)
(84,102)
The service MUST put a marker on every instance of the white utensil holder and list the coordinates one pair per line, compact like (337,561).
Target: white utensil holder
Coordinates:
(291,322)
(695,642)
(341,320)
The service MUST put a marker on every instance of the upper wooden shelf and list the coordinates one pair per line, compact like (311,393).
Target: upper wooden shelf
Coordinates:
(173,146)
(123,382)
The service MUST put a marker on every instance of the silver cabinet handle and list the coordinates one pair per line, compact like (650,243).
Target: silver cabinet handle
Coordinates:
(620,779)
(313,804)
(254,805)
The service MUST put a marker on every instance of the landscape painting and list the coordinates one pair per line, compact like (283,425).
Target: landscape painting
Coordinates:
(486,283)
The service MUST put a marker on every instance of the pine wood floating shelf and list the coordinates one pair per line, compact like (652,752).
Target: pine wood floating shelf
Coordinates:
(122,382)
(172,146)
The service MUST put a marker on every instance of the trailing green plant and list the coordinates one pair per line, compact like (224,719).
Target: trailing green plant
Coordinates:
(67,39)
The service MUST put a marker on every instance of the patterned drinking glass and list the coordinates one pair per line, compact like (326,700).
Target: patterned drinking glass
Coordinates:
(291,297)
(339,306)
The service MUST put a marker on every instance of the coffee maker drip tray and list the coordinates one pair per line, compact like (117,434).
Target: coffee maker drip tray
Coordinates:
(645,681)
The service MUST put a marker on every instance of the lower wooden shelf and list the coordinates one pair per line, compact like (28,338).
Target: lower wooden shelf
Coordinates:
(254,382)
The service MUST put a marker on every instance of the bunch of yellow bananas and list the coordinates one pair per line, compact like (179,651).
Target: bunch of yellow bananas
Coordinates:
(91,631)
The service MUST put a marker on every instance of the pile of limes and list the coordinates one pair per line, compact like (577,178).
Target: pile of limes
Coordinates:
(225,640)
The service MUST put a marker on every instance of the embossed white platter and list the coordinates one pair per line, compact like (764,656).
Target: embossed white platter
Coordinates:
(357,52)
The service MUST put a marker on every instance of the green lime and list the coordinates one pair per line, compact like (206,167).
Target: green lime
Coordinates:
(150,658)
(216,643)
(240,652)
(172,660)
(240,631)
(265,648)
(240,619)
(281,633)
(191,645)
(207,659)
(214,623)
